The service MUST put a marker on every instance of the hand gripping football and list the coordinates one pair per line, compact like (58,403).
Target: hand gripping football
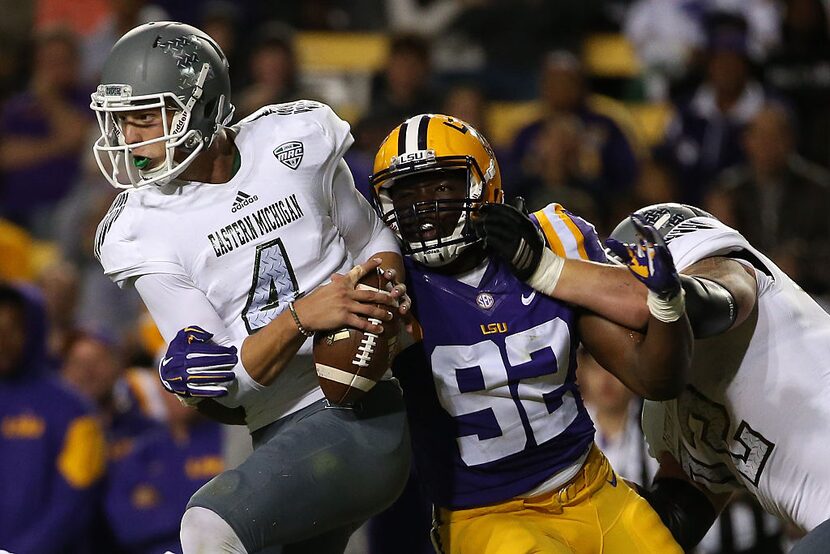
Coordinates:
(348,361)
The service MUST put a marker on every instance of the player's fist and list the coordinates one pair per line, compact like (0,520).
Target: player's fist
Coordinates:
(509,233)
(648,259)
(195,366)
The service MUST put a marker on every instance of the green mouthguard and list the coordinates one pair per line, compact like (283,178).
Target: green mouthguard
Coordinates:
(140,162)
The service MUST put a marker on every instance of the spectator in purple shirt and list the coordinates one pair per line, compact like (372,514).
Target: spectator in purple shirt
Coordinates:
(52,447)
(148,489)
(704,137)
(43,132)
(93,366)
(607,155)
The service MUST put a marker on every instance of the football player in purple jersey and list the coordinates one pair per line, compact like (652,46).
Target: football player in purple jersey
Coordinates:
(501,300)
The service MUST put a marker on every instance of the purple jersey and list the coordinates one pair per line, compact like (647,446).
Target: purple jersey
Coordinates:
(491,390)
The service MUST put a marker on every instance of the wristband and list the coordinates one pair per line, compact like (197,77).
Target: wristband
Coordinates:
(666,310)
(303,331)
(546,276)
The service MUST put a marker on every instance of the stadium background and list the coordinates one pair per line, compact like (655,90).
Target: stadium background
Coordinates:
(601,105)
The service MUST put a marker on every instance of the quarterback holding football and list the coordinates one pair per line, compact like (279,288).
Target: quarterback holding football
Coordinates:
(242,242)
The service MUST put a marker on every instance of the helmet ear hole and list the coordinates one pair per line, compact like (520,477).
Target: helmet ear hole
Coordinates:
(210,109)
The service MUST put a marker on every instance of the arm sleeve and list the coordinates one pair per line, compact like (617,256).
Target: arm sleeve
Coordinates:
(358,223)
(174,303)
(710,306)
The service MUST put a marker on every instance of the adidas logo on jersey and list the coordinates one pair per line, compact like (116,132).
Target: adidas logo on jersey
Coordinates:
(290,153)
(242,200)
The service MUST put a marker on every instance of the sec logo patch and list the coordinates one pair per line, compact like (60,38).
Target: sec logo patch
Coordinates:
(485,300)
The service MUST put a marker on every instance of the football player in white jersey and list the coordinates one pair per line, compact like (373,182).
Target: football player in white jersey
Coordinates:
(250,235)
(755,413)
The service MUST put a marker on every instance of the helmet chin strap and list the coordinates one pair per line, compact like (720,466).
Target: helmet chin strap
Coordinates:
(140,162)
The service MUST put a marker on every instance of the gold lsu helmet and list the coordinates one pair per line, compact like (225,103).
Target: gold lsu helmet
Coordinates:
(425,144)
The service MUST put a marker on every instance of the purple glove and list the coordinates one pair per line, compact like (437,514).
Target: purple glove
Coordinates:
(648,259)
(194,366)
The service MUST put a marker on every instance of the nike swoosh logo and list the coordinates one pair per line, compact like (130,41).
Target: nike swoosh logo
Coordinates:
(529,299)
(166,361)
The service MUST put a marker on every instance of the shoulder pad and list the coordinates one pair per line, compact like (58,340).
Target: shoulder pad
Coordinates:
(288,108)
(305,113)
(569,235)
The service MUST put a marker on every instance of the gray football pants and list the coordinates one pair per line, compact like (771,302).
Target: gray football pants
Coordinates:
(816,541)
(316,475)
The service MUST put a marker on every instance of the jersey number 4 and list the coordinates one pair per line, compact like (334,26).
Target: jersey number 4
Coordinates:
(273,286)
(488,398)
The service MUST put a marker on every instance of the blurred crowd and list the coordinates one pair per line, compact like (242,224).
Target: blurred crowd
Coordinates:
(744,84)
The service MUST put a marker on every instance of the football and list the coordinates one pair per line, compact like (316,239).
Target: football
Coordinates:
(348,361)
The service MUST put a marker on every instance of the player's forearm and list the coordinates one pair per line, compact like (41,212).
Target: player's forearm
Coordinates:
(662,361)
(268,351)
(609,291)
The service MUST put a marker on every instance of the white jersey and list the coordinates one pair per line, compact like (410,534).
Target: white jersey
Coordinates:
(274,232)
(756,414)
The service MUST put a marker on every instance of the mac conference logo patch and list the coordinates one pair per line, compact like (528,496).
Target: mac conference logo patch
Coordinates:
(290,153)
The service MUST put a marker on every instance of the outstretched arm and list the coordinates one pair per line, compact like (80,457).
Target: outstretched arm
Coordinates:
(655,365)
(720,292)
(608,290)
